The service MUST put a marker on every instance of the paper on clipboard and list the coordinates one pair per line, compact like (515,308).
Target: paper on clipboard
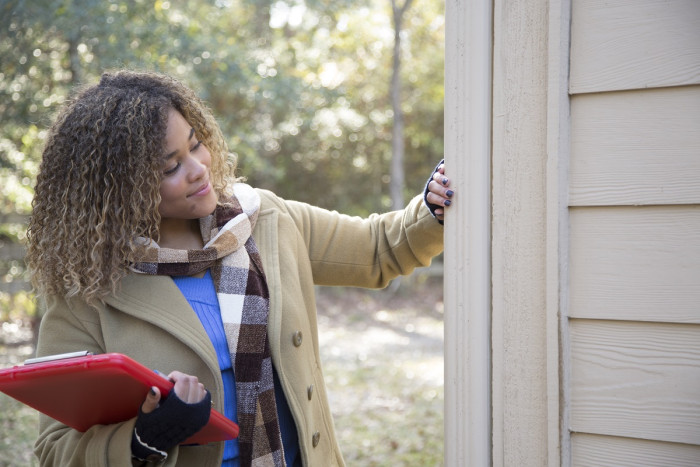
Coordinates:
(86,390)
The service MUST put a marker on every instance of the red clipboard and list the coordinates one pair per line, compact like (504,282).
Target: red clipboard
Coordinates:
(99,389)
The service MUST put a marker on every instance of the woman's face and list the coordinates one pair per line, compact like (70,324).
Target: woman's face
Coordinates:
(186,191)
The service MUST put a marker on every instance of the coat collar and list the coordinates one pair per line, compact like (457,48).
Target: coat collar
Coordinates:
(158,300)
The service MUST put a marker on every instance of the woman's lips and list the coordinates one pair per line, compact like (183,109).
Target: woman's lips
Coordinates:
(203,190)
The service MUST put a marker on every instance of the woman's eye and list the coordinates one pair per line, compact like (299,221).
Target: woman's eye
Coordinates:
(196,146)
(171,170)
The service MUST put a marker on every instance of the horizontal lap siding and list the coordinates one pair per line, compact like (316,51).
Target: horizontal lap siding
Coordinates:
(634,44)
(635,263)
(634,233)
(636,147)
(595,451)
(638,380)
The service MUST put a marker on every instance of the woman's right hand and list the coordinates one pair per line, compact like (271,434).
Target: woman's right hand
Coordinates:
(187,387)
(162,426)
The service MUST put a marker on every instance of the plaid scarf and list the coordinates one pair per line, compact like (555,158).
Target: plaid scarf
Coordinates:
(241,288)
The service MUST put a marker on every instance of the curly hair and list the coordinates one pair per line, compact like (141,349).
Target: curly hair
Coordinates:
(97,189)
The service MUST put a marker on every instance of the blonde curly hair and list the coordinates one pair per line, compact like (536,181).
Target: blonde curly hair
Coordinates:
(98,185)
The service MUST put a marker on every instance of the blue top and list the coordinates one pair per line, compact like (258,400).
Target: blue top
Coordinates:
(201,295)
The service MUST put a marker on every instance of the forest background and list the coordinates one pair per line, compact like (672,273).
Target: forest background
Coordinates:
(318,101)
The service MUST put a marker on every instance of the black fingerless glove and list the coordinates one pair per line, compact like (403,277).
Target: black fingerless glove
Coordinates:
(167,426)
(432,207)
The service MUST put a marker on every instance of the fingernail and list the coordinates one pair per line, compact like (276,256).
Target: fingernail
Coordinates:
(449,193)
(444,180)
(447,202)
(153,392)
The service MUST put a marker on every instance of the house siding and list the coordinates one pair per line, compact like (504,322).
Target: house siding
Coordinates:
(633,311)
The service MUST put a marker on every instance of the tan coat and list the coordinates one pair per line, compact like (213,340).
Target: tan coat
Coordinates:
(151,321)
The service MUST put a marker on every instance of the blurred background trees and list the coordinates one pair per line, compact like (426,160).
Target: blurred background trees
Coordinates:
(303,92)
(302,88)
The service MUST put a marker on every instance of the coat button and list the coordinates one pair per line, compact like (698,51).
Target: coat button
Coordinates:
(310,391)
(315,439)
(297,338)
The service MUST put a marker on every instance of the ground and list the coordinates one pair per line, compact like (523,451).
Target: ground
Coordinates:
(382,359)
(382,353)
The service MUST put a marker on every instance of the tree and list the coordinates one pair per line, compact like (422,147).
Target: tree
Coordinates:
(398,146)
(300,88)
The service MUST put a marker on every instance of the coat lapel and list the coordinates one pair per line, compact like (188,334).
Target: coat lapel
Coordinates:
(158,301)
(265,236)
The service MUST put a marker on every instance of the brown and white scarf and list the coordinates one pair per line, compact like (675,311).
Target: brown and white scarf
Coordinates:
(242,291)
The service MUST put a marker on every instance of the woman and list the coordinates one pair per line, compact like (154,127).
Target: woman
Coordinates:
(142,243)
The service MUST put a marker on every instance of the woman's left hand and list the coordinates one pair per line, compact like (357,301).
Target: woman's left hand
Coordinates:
(439,192)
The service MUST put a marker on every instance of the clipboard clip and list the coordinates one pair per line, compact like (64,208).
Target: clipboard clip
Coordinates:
(60,356)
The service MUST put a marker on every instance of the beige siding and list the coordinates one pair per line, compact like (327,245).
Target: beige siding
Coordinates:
(519,166)
(606,451)
(634,44)
(632,344)
(637,380)
(594,230)
(635,263)
(636,147)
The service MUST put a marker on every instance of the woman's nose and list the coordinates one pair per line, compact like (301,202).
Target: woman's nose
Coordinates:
(197,168)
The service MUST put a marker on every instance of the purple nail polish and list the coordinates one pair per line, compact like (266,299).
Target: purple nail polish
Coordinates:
(444,180)
(447,202)
(449,193)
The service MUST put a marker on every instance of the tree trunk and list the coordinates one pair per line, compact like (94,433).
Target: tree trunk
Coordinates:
(74,60)
(398,177)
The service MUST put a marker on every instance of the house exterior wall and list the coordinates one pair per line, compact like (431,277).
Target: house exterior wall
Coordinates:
(594,314)
(519,241)
(633,308)
(502,106)
(468,233)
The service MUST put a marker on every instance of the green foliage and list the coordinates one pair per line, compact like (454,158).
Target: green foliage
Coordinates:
(300,88)
(17,306)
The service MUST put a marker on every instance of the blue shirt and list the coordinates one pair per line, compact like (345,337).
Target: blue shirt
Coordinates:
(201,295)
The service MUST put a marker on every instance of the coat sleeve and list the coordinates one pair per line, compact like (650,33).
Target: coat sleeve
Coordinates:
(365,252)
(68,327)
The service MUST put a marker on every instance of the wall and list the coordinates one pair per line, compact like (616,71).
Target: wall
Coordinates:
(524,333)
(504,85)
(587,351)
(633,328)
